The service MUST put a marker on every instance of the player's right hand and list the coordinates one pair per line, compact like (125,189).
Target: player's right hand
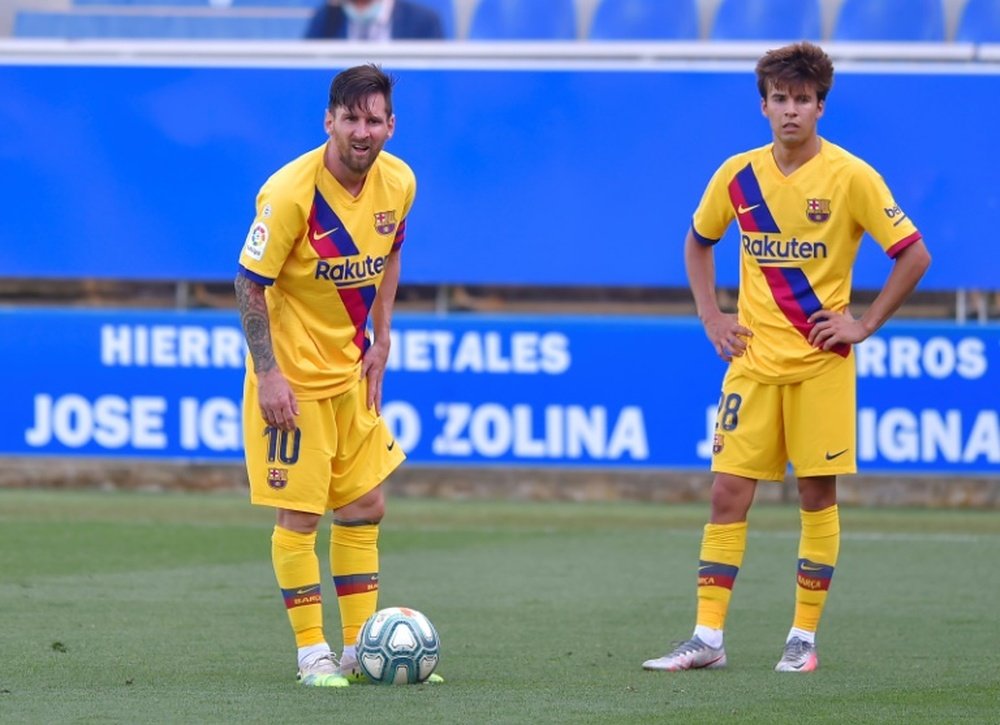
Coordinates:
(278,405)
(727,335)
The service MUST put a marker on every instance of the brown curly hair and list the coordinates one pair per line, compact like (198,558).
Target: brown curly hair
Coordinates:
(795,66)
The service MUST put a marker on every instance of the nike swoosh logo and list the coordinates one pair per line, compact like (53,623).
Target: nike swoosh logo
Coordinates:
(831,456)
(744,209)
(308,590)
(806,567)
(391,446)
(324,235)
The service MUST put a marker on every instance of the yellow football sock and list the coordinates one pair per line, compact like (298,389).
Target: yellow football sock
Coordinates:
(722,548)
(819,546)
(354,564)
(296,567)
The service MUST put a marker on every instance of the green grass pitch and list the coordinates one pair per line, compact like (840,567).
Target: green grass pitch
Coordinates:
(163,608)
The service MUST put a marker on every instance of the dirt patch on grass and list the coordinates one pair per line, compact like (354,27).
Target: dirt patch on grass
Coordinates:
(504,483)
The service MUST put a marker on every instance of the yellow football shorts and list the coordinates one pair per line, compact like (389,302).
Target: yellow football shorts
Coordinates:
(762,427)
(340,451)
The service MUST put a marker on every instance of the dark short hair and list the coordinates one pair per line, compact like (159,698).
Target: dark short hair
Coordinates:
(351,87)
(794,66)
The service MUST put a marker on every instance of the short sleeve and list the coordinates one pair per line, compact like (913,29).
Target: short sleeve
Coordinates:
(876,211)
(409,196)
(715,212)
(278,224)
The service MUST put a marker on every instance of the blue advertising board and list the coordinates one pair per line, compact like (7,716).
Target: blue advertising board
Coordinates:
(473,390)
(525,177)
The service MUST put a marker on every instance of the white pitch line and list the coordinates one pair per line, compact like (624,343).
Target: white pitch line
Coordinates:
(939,538)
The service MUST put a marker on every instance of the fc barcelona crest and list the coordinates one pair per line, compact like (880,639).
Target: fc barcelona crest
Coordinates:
(277,478)
(718,443)
(385,221)
(818,210)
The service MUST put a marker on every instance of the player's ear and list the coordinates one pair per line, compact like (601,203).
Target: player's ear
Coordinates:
(763,107)
(820,107)
(391,126)
(328,122)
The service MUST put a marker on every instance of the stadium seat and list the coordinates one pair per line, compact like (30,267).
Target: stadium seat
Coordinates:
(980,22)
(900,20)
(524,20)
(77,25)
(645,20)
(206,3)
(446,10)
(767,20)
(149,3)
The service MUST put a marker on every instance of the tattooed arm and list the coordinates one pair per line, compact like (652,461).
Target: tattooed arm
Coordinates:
(278,405)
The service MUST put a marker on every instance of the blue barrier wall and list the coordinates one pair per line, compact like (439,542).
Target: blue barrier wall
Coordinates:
(525,177)
(474,390)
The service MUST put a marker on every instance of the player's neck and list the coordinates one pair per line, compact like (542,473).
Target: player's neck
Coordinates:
(352,182)
(790,157)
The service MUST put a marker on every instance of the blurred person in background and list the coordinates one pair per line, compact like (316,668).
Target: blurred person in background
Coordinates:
(375,20)
(802,205)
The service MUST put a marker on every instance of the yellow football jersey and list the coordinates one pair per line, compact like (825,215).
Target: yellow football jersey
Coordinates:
(799,237)
(321,254)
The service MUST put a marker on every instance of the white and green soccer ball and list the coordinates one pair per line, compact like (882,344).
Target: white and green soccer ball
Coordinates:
(398,646)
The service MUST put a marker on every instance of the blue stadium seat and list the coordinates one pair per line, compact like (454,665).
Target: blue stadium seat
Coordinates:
(143,3)
(645,20)
(980,22)
(200,3)
(77,25)
(446,10)
(524,20)
(768,20)
(311,4)
(902,20)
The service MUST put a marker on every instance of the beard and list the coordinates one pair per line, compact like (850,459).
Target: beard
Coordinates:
(359,164)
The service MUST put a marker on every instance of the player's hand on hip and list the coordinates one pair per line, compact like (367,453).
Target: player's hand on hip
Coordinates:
(373,370)
(834,328)
(727,335)
(278,405)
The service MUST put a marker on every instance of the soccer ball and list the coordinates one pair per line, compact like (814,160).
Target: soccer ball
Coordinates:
(398,646)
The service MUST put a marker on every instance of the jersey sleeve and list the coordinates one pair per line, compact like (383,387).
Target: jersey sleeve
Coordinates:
(875,210)
(277,225)
(409,195)
(715,211)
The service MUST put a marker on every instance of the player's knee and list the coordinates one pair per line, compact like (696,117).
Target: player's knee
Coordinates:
(731,498)
(369,508)
(816,494)
(301,522)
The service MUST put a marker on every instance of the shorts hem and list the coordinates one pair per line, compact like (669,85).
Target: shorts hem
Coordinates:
(376,480)
(747,473)
(842,471)
(286,505)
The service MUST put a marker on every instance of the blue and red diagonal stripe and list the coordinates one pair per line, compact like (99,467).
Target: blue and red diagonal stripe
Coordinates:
(748,201)
(323,219)
(357,301)
(797,300)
